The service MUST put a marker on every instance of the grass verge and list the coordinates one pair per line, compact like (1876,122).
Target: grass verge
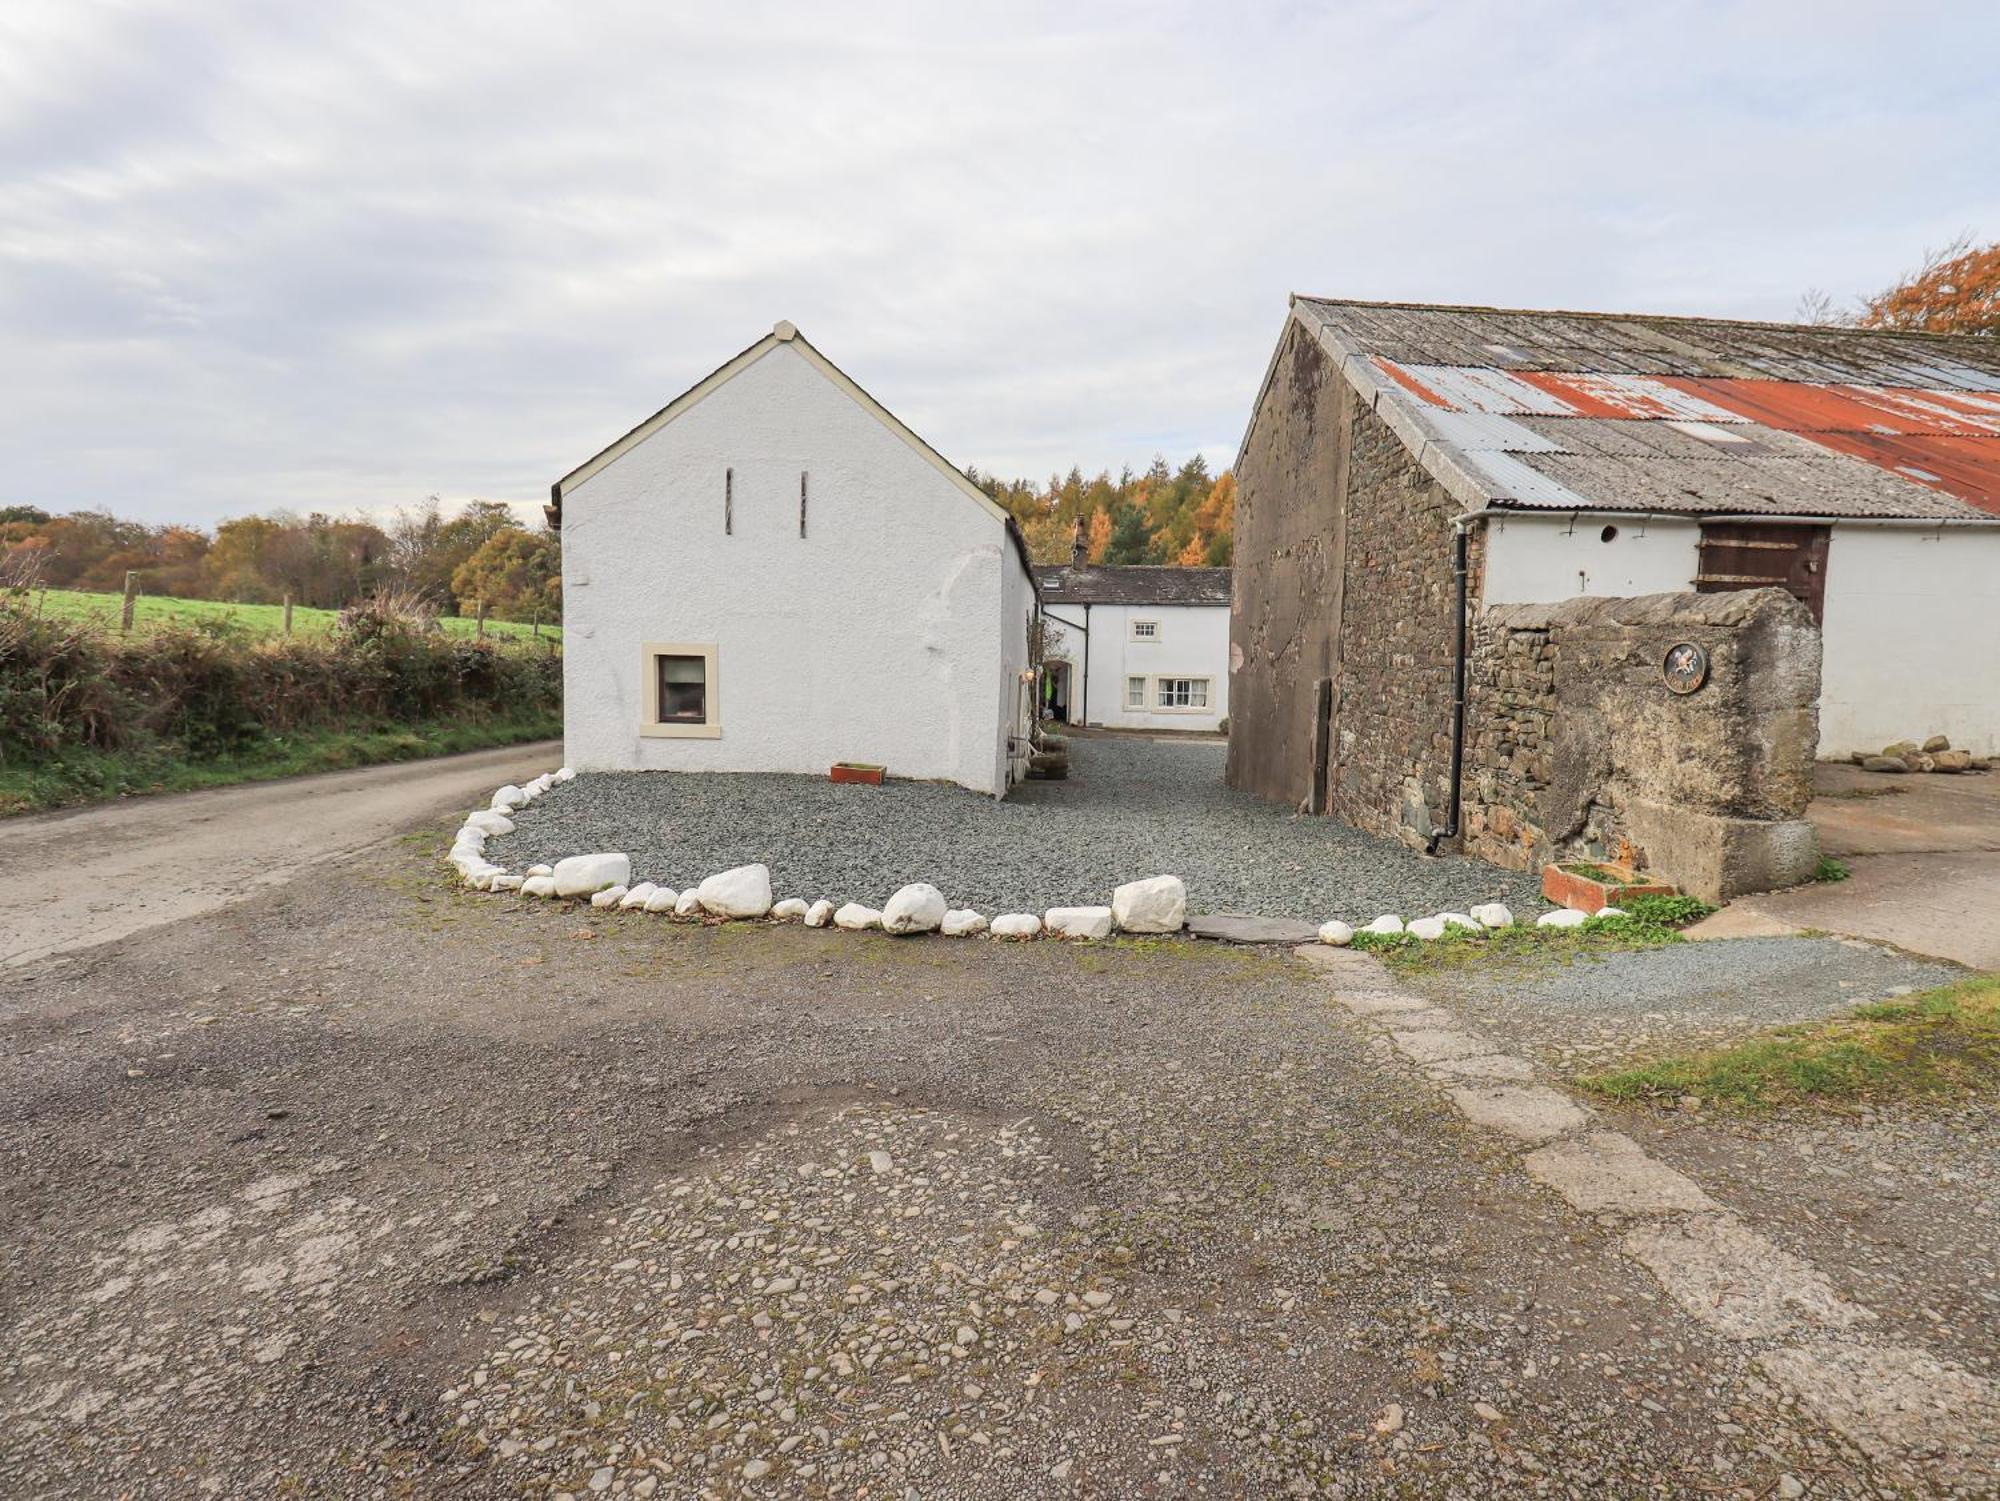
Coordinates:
(1943,1042)
(99,776)
(155,611)
(1650,922)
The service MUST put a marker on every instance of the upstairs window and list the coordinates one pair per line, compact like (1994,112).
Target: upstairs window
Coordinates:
(1145,630)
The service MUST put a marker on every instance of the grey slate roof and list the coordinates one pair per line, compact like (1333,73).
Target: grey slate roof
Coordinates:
(1131,584)
(1568,411)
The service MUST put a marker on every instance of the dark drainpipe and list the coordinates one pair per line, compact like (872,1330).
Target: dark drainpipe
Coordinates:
(1459,550)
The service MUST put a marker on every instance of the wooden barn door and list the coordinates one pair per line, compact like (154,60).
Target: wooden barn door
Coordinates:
(1760,554)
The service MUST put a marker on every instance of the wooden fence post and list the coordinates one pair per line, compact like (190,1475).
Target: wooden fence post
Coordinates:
(288,614)
(131,599)
(482,620)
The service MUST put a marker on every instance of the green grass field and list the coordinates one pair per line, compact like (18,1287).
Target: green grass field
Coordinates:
(154,611)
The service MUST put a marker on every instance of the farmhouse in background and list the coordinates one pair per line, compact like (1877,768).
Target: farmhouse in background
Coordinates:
(1131,647)
(1557,458)
(772,573)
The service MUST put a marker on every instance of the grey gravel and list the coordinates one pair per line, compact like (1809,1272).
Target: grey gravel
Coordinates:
(1132,808)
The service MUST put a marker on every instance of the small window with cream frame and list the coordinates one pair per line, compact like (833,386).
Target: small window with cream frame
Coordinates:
(682,699)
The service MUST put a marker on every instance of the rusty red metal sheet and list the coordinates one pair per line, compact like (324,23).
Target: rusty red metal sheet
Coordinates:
(1629,398)
(1958,465)
(1408,382)
(1795,407)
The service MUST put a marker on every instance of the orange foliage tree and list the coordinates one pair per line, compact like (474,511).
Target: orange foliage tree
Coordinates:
(1955,291)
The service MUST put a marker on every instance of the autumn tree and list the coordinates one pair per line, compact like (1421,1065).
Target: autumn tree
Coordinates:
(1956,290)
(517,573)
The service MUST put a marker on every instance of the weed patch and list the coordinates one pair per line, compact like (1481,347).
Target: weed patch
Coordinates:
(1941,1043)
(1650,922)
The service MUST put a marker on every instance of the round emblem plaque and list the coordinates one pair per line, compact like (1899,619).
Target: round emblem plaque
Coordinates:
(1685,667)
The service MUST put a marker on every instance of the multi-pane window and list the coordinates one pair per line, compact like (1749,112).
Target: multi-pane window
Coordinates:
(1182,693)
(1145,630)
(1135,693)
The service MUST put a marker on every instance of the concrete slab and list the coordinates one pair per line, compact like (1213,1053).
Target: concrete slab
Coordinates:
(1485,1067)
(1424,1019)
(1242,927)
(1732,1278)
(1858,812)
(1740,920)
(1433,1047)
(1350,966)
(1946,905)
(1380,1003)
(1535,1114)
(1898,1404)
(1608,1172)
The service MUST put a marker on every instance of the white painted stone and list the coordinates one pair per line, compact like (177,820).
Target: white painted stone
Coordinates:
(663,899)
(1336,932)
(1388,922)
(687,904)
(1157,904)
(635,900)
(819,914)
(791,907)
(610,896)
(962,922)
(856,917)
(1460,920)
(489,823)
(1493,915)
(742,892)
(1426,928)
(507,799)
(1613,912)
(1563,917)
(916,908)
(1078,922)
(581,875)
(539,870)
(566,774)
(538,886)
(1015,925)
(505,882)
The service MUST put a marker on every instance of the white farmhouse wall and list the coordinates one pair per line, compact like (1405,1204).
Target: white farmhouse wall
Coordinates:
(1193,642)
(1017,686)
(880,636)
(1912,638)
(1547,559)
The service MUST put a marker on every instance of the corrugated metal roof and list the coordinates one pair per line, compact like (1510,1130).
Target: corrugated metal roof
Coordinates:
(1617,412)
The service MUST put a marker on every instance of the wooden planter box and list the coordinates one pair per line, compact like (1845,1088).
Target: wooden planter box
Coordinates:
(1573,886)
(857,771)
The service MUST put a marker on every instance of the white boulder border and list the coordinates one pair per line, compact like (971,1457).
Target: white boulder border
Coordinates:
(1153,905)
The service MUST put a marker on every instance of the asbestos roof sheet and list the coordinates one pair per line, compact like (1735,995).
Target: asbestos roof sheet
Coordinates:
(1611,412)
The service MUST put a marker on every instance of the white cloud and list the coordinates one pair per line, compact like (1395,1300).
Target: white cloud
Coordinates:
(343,256)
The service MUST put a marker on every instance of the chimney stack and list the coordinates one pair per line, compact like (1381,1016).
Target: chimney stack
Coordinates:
(1079,545)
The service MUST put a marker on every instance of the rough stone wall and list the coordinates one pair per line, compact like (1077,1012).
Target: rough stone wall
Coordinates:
(1389,769)
(1576,749)
(1286,570)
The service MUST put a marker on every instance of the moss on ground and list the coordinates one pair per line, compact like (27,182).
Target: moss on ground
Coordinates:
(1943,1042)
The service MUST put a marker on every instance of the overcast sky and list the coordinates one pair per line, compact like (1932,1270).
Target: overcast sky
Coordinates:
(346,255)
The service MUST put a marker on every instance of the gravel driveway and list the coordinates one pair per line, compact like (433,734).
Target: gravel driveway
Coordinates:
(379,1188)
(1131,808)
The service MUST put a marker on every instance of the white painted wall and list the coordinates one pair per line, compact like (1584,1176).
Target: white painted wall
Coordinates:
(887,634)
(1193,641)
(1911,638)
(1545,559)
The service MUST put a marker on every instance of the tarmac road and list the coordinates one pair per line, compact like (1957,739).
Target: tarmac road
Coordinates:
(90,875)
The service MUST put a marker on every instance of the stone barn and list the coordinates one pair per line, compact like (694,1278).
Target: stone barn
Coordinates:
(1473,546)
